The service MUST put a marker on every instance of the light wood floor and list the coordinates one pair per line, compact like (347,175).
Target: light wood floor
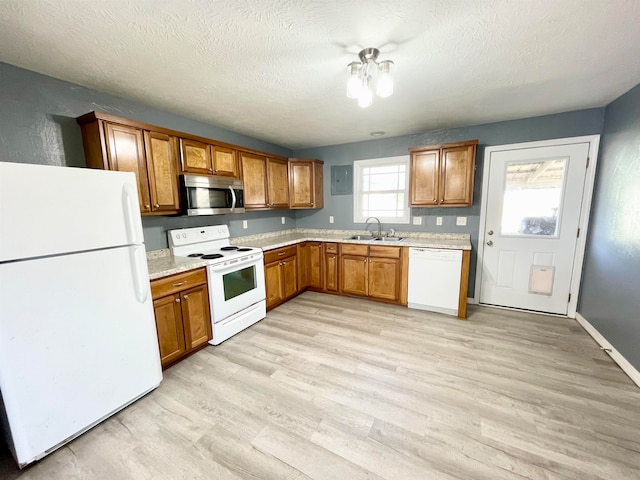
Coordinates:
(339,388)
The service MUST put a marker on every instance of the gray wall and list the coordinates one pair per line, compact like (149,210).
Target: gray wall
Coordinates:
(37,125)
(610,291)
(571,124)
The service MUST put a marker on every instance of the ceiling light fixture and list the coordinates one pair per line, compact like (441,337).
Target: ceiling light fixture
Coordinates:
(359,84)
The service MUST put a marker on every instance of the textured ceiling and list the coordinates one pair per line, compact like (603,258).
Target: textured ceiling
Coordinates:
(276,69)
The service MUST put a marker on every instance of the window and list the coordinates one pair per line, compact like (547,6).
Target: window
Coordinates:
(380,190)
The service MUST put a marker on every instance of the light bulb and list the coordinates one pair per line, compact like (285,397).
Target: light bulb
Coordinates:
(365,98)
(354,84)
(384,83)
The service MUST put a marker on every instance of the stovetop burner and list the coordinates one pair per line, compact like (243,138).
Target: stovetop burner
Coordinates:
(229,248)
(245,249)
(212,256)
(195,255)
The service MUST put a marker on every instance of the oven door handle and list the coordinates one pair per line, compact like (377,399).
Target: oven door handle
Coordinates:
(235,266)
(233,198)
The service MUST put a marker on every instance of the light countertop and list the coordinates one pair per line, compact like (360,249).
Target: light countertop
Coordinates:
(162,264)
(269,241)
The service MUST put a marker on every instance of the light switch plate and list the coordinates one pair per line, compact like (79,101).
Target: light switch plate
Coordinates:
(245,224)
(283,220)
(330,218)
(461,221)
(438,220)
(417,220)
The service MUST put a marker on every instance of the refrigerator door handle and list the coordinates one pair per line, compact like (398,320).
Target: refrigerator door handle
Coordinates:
(130,207)
(140,279)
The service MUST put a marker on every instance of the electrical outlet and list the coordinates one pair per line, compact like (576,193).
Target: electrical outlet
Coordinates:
(438,220)
(283,220)
(461,221)
(330,218)
(245,224)
(417,220)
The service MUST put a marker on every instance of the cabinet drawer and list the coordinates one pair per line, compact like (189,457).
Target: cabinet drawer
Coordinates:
(387,252)
(353,249)
(176,283)
(331,247)
(279,253)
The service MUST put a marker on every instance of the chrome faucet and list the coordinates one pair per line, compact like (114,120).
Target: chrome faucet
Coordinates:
(379,226)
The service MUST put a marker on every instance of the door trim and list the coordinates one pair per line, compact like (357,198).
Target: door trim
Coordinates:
(585,210)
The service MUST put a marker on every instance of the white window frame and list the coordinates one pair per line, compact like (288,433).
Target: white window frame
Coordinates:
(358,167)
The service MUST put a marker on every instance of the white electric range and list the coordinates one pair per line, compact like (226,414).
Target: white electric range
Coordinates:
(235,277)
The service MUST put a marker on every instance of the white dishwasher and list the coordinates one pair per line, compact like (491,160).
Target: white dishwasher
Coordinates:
(434,279)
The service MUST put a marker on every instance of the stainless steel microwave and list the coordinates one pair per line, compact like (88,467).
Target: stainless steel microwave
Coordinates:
(211,195)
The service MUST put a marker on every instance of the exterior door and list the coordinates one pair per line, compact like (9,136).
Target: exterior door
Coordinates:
(532,213)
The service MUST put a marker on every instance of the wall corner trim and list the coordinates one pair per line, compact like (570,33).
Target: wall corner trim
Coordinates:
(616,356)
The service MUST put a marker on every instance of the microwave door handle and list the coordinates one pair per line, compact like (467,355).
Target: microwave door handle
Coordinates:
(233,198)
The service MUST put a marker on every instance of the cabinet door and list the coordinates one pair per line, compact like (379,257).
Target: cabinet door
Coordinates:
(301,184)
(278,180)
(456,180)
(290,276)
(195,157)
(160,152)
(196,316)
(126,154)
(225,161)
(331,272)
(254,174)
(384,278)
(169,326)
(315,265)
(353,274)
(273,283)
(303,265)
(424,177)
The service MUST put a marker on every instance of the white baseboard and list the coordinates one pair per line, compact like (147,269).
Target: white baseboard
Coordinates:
(471,301)
(617,357)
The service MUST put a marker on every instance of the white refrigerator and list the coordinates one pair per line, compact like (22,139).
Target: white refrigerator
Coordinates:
(77,331)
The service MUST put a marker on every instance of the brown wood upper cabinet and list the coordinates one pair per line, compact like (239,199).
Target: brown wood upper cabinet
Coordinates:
(442,175)
(148,154)
(266,181)
(201,158)
(306,183)
(278,182)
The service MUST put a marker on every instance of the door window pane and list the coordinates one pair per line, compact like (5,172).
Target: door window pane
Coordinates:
(533,197)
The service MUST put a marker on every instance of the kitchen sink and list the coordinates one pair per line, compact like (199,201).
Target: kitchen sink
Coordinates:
(389,239)
(374,239)
(359,237)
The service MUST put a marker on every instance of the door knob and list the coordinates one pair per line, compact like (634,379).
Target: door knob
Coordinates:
(490,243)
(490,232)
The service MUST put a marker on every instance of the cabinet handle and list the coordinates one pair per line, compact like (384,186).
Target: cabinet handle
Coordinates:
(147,207)
(186,296)
(177,300)
(179,283)
(435,201)
(157,205)
(281,253)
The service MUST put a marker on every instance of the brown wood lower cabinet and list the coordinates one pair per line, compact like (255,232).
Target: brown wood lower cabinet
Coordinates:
(281,275)
(375,271)
(331,267)
(183,318)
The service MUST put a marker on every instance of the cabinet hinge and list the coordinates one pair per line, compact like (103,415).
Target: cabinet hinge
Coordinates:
(588,162)
(578,236)
(569,298)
